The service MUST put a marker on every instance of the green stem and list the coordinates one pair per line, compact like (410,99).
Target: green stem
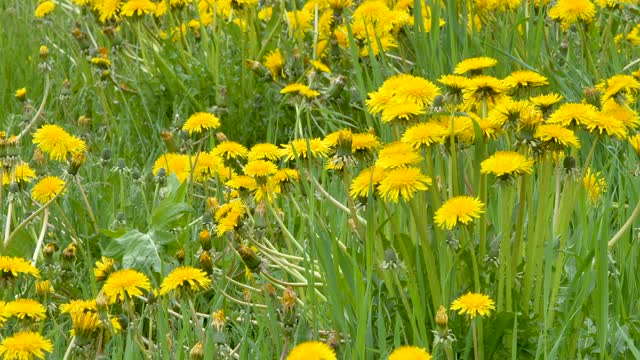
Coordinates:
(430,260)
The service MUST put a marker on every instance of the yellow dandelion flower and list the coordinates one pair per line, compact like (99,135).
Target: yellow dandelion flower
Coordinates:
(260,168)
(25,345)
(103,268)
(11,267)
(300,22)
(546,101)
(228,216)
(53,140)
(21,173)
(44,8)
(506,163)
(230,150)
(201,121)
(316,148)
(274,61)
(26,309)
(474,65)
(177,164)
(367,180)
(79,306)
(604,124)
(284,177)
(312,350)
(573,113)
(460,209)
(300,89)
(454,84)
(425,134)
(401,111)
(416,90)
(138,7)
(557,136)
(205,166)
(242,183)
(409,353)
(463,129)
(85,324)
(594,184)
(569,12)
(185,278)
(397,154)
(319,66)
(21,94)
(622,112)
(265,151)
(402,181)
(635,143)
(484,88)
(125,283)
(473,304)
(402,89)
(521,79)
(107,9)
(364,143)
(47,188)
(617,86)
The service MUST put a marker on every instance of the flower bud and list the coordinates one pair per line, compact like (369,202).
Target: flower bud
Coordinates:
(205,239)
(197,352)
(43,52)
(442,318)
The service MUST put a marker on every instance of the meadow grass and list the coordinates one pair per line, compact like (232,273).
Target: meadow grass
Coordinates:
(306,260)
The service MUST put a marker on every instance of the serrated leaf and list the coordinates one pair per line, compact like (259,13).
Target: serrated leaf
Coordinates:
(172,208)
(142,250)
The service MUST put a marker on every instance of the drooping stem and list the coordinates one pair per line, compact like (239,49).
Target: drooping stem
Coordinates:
(43,231)
(623,230)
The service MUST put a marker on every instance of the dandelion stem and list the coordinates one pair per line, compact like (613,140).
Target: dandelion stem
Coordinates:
(67,353)
(92,216)
(43,231)
(614,240)
(38,114)
(32,216)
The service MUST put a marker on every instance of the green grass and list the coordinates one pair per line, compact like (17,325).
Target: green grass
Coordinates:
(366,286)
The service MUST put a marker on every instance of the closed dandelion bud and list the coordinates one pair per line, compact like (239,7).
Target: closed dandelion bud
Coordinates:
(76,161)
(569,163)
(121,165)
(44,288)
(289,298)
(258,68)
(69,253)
(592,96)
(49,250)
(13,188)
(135,174)
(332,339)
(180,255)
(102,300)
(205,240)
(212,204)
(106,155)
(246,294)
(197,352)
(43,52)
(336,87)
(161,176)
(438,104)
(221,137)
(270,289)
(38,157)
(65,91)
(442,318)
(105,74)
(249,258)
(218,319)
(21,94)
(168,337)
(168,138)
(206,263)
(84,121)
